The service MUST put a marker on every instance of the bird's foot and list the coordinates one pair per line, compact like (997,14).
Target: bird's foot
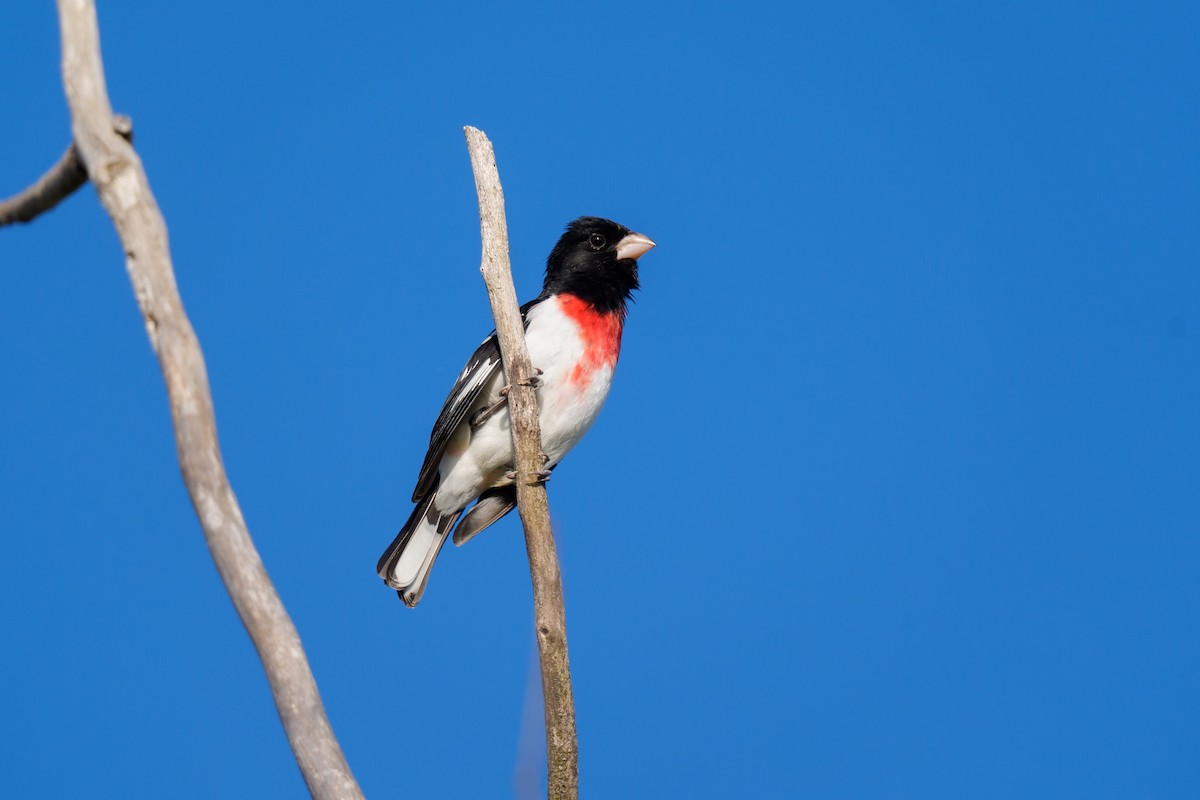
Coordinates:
(535,379)
(484,414)
(540,476)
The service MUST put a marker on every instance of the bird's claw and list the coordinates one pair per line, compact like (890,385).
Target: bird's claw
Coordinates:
(534,380)
(484,414)
(540,476)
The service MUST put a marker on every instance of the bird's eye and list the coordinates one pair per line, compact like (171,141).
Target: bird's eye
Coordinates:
(596,241)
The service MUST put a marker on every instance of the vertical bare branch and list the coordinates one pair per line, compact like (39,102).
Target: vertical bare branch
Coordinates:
(116,171)
(562,747)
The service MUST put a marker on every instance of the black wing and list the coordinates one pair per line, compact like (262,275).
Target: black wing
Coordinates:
(480,368)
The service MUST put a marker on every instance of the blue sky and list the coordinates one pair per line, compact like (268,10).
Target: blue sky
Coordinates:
(896,491)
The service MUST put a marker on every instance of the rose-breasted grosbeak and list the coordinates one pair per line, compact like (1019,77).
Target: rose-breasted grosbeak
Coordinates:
(573,332)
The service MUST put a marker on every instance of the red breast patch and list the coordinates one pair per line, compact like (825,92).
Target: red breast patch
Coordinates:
(601,334)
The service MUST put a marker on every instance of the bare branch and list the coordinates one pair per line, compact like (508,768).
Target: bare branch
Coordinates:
(59,182)
(116,171)
(562,746)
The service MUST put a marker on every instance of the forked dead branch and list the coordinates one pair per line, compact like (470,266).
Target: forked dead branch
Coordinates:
(102,153)
(113,167)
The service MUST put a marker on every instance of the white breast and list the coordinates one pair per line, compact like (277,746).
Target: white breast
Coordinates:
(566,409)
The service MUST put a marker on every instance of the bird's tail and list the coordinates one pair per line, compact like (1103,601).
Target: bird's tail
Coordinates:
(406,563)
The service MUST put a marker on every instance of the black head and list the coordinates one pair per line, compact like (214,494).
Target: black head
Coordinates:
(596,260)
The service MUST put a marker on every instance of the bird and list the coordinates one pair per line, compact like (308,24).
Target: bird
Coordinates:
(573,333)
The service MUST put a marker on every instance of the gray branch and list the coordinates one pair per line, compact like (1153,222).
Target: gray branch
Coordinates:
(59,183)
(116,171)
(550,620)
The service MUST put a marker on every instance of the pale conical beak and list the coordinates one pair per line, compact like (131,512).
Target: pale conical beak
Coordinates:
(633,245)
